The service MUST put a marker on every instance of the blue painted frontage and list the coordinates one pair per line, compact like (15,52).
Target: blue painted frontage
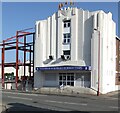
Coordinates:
(82,68)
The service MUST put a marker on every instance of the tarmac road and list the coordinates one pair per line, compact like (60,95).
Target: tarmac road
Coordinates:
(16,101)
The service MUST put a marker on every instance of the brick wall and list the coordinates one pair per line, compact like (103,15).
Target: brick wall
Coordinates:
(117,61)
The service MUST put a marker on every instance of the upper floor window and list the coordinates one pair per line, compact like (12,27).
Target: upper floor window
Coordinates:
(66,39)
(66,23)
(66,52)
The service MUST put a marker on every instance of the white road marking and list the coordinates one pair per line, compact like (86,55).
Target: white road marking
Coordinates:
(59,102)
(112,98)
(83,104)
(115,107)
(53,101)
(24,94)
(19,98)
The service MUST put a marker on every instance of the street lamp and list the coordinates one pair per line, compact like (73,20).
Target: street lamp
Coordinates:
(98,90)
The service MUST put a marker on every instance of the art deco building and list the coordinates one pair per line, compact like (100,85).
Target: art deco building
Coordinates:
(76,47)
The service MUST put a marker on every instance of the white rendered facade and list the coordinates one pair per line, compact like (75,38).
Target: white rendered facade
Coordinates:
(89,35)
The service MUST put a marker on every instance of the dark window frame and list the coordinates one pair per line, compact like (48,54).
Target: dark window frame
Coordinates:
(66,52)
(67,23)
(66,38)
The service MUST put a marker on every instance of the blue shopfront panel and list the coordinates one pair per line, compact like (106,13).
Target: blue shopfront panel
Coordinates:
(82,68)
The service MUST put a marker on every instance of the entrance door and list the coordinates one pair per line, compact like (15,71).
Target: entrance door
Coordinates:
(66,79)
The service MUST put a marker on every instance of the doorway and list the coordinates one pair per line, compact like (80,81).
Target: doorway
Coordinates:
(66,79)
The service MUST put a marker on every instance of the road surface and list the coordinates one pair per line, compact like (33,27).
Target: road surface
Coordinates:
(16,101)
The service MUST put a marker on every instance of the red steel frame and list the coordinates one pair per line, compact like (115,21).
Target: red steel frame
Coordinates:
(2,67)
(19,34)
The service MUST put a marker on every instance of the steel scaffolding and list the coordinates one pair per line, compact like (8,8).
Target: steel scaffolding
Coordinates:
(14,43)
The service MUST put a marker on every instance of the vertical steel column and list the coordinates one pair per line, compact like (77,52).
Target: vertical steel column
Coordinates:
(16,61)
(3,57)
(30,62)
(24,54)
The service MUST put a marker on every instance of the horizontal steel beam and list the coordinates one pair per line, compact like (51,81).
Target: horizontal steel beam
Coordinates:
(19,48)
(26,34)
(14,64)
(7,43)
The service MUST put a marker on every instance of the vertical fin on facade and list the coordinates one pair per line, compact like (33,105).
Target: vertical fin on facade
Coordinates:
(95,21)
(39,29)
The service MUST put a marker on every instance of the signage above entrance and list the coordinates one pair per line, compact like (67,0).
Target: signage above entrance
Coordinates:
(86,68)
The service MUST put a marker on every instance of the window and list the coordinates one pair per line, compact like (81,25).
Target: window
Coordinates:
(60,83)
(67,52)
(67,79)
(68,83)
(72,83)
(72,77)
(66,39)
(60,78)
(64,77)
(66,23)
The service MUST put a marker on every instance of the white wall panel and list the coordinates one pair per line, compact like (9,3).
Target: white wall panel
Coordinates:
(48,38)
(74,37)
(80,33)
(66,30)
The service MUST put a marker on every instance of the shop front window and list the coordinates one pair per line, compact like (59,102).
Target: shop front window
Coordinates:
(66,79)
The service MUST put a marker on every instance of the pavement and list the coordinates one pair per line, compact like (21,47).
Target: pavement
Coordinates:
(113,93)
